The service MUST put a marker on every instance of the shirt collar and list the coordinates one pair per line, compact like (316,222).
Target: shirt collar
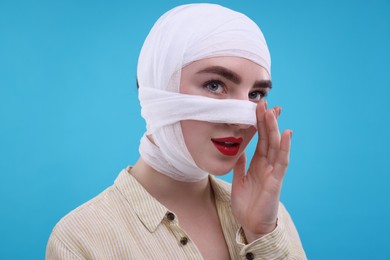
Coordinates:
(222,189)
(151,212)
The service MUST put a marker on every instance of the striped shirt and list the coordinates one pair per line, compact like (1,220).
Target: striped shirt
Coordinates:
(126,222)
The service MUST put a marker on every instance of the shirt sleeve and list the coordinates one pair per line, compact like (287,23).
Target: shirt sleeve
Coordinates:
(57,250)
(282,243)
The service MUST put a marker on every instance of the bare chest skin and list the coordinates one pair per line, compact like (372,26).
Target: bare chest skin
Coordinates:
(203,227)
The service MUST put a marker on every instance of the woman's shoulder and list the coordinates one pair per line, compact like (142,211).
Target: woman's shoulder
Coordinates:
(103,207)
(86,213)
(94,224)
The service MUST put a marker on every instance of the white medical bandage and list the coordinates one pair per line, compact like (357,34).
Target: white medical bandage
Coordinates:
(162,108)
(183,35)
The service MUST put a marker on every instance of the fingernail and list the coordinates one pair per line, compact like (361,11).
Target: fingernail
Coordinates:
(274,111)
(291,132)
(280,111)
(265,104)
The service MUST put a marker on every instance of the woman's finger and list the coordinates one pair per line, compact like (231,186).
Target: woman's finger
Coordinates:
(273,136)
(278,111)
(262,143)
(283,157)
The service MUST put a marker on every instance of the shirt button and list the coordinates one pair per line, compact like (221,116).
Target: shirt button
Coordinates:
(184,241)
(249,256)
(170,216)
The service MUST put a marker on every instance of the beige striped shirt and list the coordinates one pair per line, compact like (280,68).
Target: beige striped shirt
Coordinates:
(126,222)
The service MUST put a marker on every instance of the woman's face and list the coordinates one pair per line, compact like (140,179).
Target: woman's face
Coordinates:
(216,147)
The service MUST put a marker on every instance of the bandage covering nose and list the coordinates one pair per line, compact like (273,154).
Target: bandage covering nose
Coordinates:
(183,35)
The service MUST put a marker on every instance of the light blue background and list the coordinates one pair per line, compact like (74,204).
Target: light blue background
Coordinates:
(70,118)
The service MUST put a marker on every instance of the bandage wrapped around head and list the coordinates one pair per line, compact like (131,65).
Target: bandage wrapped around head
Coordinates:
(183,35)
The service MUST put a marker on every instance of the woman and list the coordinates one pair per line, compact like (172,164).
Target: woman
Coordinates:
(203,72)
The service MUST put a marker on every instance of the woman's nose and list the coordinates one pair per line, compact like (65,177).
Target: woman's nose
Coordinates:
(241,96)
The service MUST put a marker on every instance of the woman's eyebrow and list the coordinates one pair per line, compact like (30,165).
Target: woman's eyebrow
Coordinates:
(234,77)
(224,72)
(263,84)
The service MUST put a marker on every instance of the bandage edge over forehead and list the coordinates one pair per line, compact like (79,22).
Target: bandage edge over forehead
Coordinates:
(171,45)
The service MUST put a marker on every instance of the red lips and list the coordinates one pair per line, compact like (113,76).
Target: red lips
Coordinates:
(228,145)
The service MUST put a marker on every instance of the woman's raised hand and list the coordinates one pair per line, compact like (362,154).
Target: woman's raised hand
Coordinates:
(256,193)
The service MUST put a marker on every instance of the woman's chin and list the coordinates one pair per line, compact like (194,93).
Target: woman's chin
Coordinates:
(218,167)
(219,170)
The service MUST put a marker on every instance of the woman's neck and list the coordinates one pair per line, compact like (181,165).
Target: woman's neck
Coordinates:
(170,192)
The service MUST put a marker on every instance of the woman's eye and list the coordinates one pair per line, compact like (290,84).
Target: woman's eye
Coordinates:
(214,86)
(256,95)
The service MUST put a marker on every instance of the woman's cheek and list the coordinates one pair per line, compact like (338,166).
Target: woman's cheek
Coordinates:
(251,133)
